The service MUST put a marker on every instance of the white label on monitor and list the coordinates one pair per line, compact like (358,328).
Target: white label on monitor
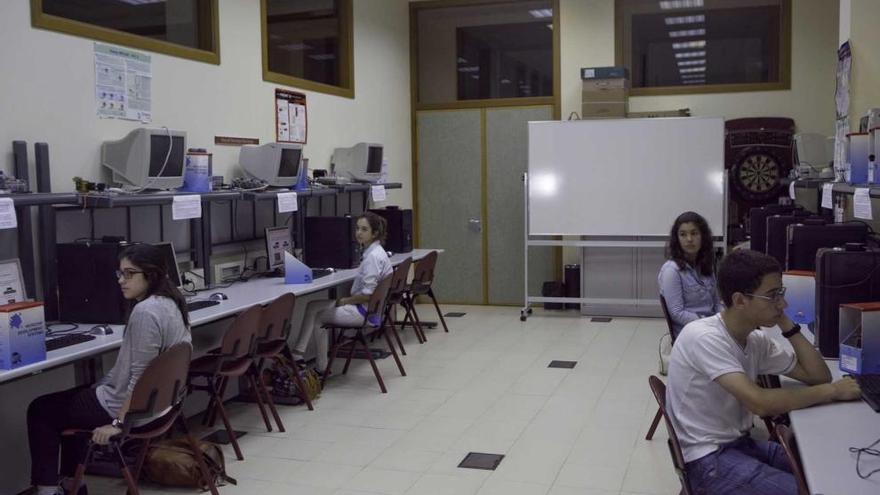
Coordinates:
(7,214)
(827,189)
(186,207)
(287,202)
(862,203)
(378,193)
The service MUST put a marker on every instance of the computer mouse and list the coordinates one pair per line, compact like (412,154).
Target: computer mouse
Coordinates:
(101,330)
(218,296)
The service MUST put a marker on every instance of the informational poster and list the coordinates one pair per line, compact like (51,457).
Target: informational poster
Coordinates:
(7,214)
(123,81)
(287,202)
(378,193)
(11,285)
(862,203)
(291,122)
(841,99)
(186,207)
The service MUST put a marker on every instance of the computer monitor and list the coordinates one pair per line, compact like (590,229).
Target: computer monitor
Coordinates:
(804,240)
(277,164)
(362,162)
(278,241)
(146,159)
(813,155)
(170,261)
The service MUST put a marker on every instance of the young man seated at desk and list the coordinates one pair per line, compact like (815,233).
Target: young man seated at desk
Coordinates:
(711,393)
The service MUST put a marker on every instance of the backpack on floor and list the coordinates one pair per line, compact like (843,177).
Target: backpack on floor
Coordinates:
(172,463)
(279,377)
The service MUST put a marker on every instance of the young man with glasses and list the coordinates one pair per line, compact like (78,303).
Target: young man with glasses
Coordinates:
(711,393)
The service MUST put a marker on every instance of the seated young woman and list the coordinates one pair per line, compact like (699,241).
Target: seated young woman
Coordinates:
(157,321)
(687,279)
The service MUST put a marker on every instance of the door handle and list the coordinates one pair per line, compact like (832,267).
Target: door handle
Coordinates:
(475,225)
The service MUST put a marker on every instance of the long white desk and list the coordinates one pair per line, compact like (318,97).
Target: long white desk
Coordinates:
(824,435)
(241,295)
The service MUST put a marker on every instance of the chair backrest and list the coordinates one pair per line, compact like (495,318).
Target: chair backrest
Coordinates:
(423,275)
(398,281)
(162,385)
(275,319)
(786,438)
(669,323)
(238,341)
(659,390)
(376,305)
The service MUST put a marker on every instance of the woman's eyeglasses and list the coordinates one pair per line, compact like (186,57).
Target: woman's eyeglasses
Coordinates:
(774,296)
(127,273)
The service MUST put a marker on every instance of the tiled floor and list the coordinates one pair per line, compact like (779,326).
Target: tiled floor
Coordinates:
(483,387)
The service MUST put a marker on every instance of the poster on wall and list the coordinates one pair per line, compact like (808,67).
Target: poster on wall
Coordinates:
(291,123)
(123,80)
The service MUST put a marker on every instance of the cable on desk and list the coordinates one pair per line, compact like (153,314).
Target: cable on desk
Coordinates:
(869,450)
(51,332)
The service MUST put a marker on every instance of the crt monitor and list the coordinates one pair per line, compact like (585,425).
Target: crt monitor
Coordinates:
(362,162)
(170,261)
(804,240)
(277,164)
(146,159)
(278,241)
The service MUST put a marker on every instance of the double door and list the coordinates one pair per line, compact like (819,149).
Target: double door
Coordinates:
(470,202)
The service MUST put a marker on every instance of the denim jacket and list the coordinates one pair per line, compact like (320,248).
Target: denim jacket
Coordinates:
(689,295)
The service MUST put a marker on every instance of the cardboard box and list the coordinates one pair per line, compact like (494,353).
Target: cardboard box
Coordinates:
(859,333)
(606,94)
(681,112)
(614,110)
(22,334)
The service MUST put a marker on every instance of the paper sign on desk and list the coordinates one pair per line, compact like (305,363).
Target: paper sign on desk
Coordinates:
(7,214)
(287,202)
(827,190)
(378,193)
(862,203)
(186,207)
(295,271)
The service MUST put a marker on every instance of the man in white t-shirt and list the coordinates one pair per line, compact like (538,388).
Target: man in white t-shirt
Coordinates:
(711,393)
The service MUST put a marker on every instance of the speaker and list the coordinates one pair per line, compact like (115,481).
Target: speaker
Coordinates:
(400,228)
(572,284)
(330,242)
(88,290)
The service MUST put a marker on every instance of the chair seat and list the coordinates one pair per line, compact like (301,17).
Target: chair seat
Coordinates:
(270,348)
(207,365)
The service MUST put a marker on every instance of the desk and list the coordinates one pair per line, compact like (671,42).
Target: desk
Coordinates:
(824,435)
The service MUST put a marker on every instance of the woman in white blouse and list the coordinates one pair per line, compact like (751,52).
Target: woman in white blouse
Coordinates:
(375,266)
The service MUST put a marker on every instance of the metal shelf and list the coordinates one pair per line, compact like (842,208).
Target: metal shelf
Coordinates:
(43,199)
(112,200)
(263,195)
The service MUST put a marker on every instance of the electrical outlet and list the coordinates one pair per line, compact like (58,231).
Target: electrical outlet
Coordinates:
(196,275)
(227,272)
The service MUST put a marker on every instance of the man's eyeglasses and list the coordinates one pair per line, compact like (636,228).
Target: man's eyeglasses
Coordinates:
(774,296)
(127,273)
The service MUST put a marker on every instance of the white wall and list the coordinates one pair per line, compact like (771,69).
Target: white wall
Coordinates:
(588,40)
(47,94)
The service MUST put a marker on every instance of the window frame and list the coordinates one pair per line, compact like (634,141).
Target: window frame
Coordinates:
(784,66)
(49,22)
(346,56)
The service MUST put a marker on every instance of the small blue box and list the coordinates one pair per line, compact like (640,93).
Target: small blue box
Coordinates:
(22,334)
(858,146)
(859,333)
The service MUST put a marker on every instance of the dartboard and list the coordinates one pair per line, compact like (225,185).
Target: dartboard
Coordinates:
(756,174)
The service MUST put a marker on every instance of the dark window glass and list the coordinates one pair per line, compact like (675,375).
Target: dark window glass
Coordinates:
(304,40)
(183,22)
(499,50)
(697,43)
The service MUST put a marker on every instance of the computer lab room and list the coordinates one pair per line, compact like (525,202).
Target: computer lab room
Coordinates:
(440,247)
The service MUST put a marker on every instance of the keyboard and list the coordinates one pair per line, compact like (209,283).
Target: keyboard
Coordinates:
(197,305)
(870,385)
(321,272)
(67,340)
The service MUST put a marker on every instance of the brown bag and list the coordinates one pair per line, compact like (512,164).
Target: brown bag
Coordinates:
(279,377)
(172,463)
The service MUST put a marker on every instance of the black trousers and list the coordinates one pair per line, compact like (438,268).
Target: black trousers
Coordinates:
(47,417)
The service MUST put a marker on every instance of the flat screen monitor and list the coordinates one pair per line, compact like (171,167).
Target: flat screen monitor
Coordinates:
(170,262)
(278,241)
(362,162)
(146,159)
(805,240)
(276,164)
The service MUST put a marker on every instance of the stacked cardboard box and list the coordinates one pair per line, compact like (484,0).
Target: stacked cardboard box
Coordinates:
(605,92)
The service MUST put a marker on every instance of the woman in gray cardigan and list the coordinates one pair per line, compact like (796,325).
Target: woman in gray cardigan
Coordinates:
(157,321)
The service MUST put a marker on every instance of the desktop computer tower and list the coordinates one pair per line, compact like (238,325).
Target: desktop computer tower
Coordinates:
(849,274)
(88,291)
(400,229)
(758,224)
(777,232)
(805,240)
(330,242)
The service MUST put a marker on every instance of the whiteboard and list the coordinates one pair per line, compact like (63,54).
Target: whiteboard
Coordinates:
(624,177)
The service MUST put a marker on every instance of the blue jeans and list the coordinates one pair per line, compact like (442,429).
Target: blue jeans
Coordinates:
(743,467)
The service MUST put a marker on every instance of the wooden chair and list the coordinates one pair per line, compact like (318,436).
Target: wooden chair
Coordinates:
(396,295)
(161,387)
(423,278)
(659,390)
(350,337)
(670,326)
(232,360)
(787,440)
